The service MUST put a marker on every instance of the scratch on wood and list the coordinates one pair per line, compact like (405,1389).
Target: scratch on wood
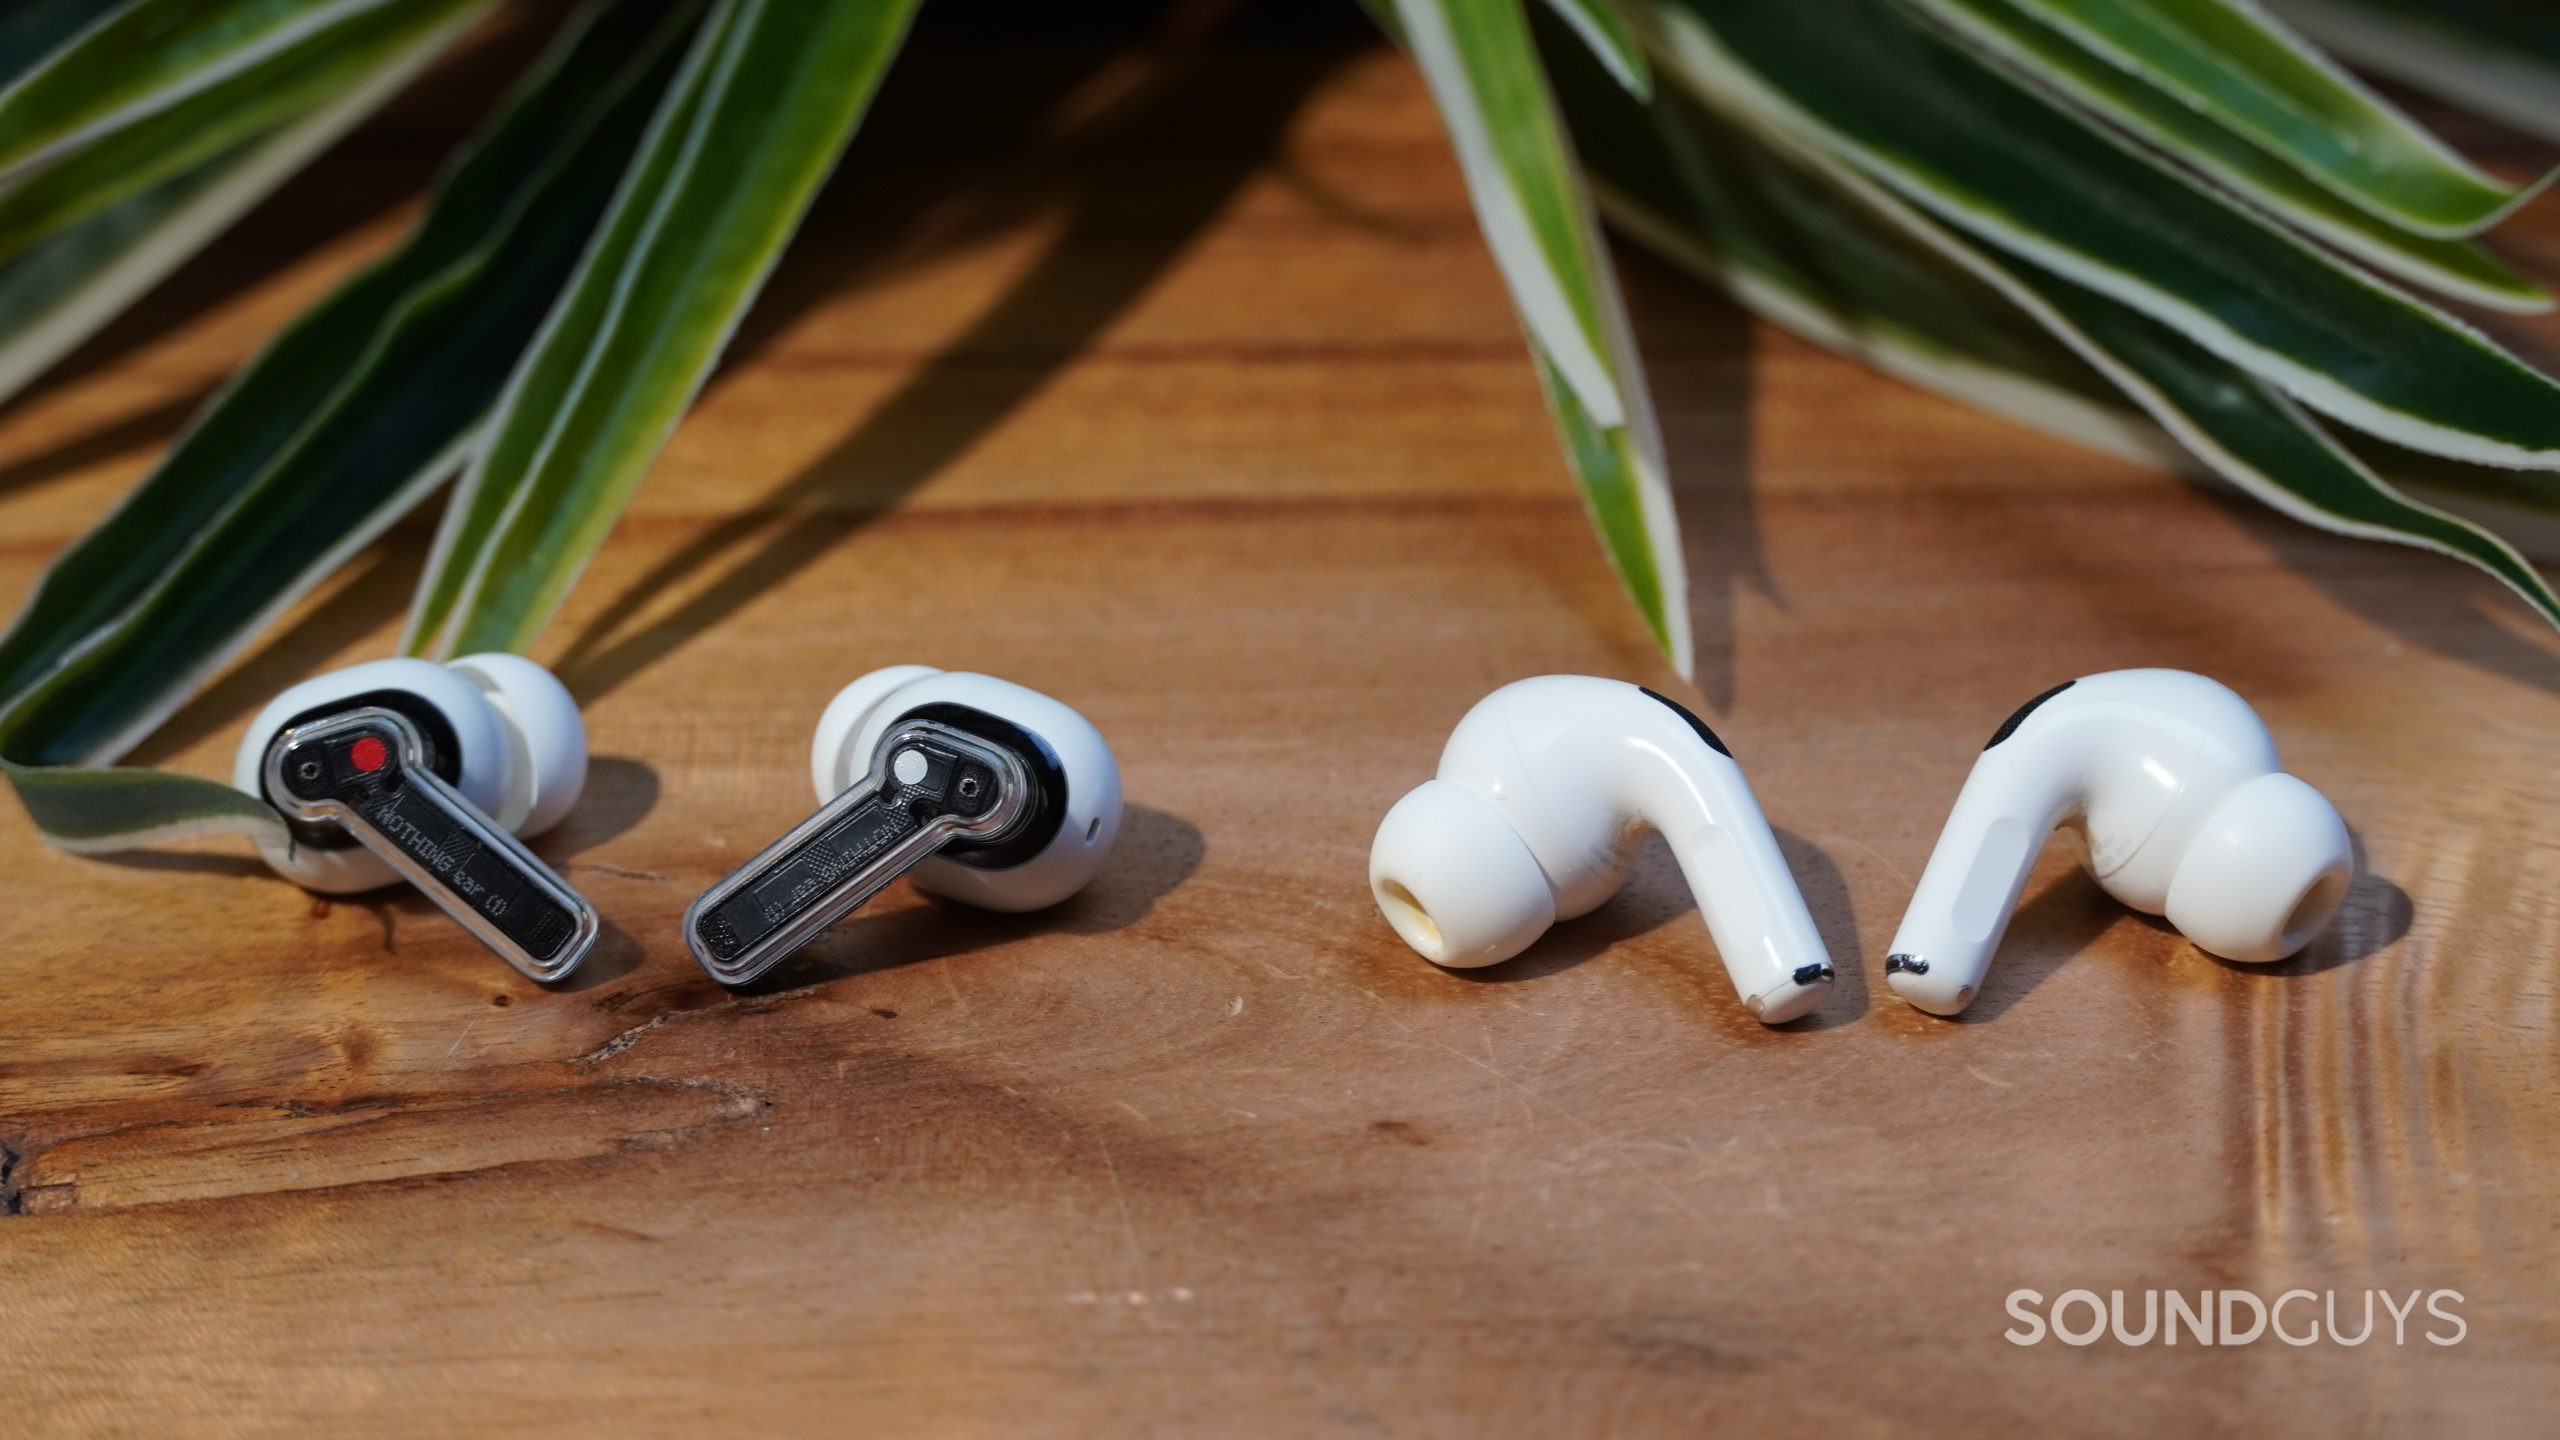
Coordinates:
(1120,1197)
(620,871)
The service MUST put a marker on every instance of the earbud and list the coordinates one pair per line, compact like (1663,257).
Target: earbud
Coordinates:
(989,793)
(2167,784)
(1542,791)
(407,769)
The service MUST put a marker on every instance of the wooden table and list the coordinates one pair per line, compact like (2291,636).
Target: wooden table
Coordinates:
(1176,383)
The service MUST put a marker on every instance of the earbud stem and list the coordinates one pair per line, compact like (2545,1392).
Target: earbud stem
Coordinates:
(1763,932)
(929,785)
(1964,900)
(364,772)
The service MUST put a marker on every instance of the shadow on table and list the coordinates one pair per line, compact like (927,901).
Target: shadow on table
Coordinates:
(2069,915)
(1156,852)
(1101,262)
(2431,601)
(1698,351)
(1656,893)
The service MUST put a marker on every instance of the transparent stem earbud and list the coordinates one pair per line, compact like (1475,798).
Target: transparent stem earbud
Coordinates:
(364,772)
(929,786)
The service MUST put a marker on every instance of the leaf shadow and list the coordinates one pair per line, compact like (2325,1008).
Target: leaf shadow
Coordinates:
(1698,350)
(2431,601)
(1099,264)
(122,436)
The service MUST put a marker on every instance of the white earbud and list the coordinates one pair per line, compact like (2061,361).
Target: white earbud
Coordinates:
(1542,792)
(407,769)
(2168,785)
(990,793)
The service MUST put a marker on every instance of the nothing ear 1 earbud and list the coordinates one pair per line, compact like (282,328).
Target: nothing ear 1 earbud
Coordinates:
(990,794)
(1541,795)
(410,770)
(2168,785)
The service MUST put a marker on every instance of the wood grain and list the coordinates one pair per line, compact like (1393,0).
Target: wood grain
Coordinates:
(1174,381)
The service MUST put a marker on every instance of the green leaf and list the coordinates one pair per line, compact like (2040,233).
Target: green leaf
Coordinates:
(96,811)
(2244,429)
(2009,30)
(2499,58)
(1481,63)
(1604,32)
(160,141)
(1867,83)
(1811,260)
(58,294)
(1482,68)
(343,423)
(106,71)
(32,31)
(1712,200)
(1629,502)
(2237,67)
(765,102)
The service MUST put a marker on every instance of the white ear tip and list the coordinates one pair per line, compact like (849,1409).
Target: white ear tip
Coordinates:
(830,768)
(2266,873)
(1455,880)
(554,735)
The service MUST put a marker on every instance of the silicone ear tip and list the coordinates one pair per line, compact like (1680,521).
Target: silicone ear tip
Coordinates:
(1456,881)
(553,736)
(2265,875)
(830,768)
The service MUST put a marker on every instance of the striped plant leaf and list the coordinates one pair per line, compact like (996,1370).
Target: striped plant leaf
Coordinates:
(33,31)
(2012,31)
(1991,157)
(160,141)
(59,293)
(348,418)
(2242,428)
(2498,57)
(97,68)
(1710,200)
(766,100)
(2231,62)
(1480,60)
(1605,32)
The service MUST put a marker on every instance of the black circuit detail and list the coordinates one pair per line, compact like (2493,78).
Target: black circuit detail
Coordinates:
(2010,726)
(1818,970)
(1905,965)
(363,770)
(1045,808)
(1685,713)
(952,785)
(436,741)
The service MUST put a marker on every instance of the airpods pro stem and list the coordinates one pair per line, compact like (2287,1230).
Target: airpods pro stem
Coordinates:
(1542,792)
(1764,934)
(2169,784)
(1971,886)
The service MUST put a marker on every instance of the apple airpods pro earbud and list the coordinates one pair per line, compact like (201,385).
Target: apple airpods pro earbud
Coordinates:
(991,794)
(407,769)
(2168,785)
(1541,794)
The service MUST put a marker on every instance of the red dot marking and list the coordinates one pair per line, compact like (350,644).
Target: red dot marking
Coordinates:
(369,754)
